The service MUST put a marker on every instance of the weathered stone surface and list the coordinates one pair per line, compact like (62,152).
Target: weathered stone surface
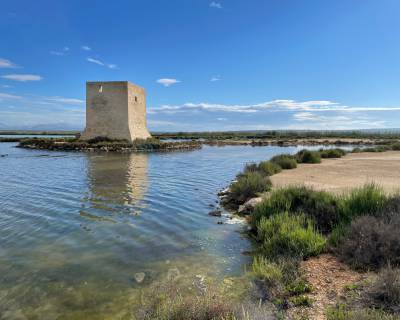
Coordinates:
(116,110)
(248,207)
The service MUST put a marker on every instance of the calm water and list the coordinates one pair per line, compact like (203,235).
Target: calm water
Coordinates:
(75,228)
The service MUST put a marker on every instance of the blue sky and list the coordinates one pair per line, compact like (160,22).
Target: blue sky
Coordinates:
(206,65)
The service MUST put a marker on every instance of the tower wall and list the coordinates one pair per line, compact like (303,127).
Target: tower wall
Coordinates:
(116,110)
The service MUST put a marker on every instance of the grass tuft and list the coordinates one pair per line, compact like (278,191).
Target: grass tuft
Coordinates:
(283,234)
(285,161)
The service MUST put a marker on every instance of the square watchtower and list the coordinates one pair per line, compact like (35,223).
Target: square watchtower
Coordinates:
(116,110)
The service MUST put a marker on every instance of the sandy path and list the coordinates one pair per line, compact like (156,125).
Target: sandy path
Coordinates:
(339,175)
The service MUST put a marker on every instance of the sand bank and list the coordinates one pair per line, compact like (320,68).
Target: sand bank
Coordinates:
(351,171)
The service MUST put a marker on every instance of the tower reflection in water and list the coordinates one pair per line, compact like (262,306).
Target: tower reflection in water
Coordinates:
(118,181)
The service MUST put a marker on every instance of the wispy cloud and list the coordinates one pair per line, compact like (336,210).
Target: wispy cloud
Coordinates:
(22,77)
(216,5)
(4,63)
(215,78)
(64,100)
(86,48)
(6,96)
(166,82)
(101,63)
(275,105)
(59,52)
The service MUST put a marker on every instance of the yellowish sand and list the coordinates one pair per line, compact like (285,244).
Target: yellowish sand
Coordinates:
(340,175)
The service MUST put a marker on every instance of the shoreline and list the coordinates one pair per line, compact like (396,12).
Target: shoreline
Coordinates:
(365,176)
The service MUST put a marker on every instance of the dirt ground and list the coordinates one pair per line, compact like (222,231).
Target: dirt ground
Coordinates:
(351,171)
(328,278)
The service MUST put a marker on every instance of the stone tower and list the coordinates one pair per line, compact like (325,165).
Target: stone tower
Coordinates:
(116,110)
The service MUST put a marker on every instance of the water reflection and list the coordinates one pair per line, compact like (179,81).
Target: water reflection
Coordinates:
(116,180)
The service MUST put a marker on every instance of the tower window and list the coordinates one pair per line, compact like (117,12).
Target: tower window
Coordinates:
(135,99)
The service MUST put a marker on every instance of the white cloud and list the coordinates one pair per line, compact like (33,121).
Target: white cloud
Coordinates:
(215,78)
(101,63)
(22,77)
(222,119)
(304,108)
(60,52)
(65,100)
(167,82)
(4,96)
(216,5)
(57,53)
(4,63)
(86,48)
(6,86)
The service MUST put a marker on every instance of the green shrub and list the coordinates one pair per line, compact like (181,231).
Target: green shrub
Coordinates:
(395,146)
(250,167)
(371,242)
(297,287)
(306,156)
(337,235)
(269,168)
(321,206)
(247,186)
(342,313)
(332,153)
(267,271)
(367,200)
(285,161)
(301,301)
(283,234)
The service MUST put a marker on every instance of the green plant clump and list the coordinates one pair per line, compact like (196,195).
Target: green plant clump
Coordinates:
(307,156)
(283,234)
(332,153)
(367,200)
(269,168)
(285,161)
(320,206)
(247,186)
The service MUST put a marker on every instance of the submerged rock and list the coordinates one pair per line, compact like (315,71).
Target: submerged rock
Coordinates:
(173,274)
(215,213)
(139,277)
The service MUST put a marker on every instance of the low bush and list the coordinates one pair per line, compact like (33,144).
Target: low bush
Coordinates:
(250,167)
(99,139)
(307,156)
(269,168)
(320,206)
(301,301)
(371,242)
(332,153)
(367,200)
(247,186)
(267,271)
(385,290)
(342,313)
(283,234)
(285,161)
(298,286)
(395,146)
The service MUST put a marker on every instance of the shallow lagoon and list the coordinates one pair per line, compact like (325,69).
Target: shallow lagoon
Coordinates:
(75,228)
